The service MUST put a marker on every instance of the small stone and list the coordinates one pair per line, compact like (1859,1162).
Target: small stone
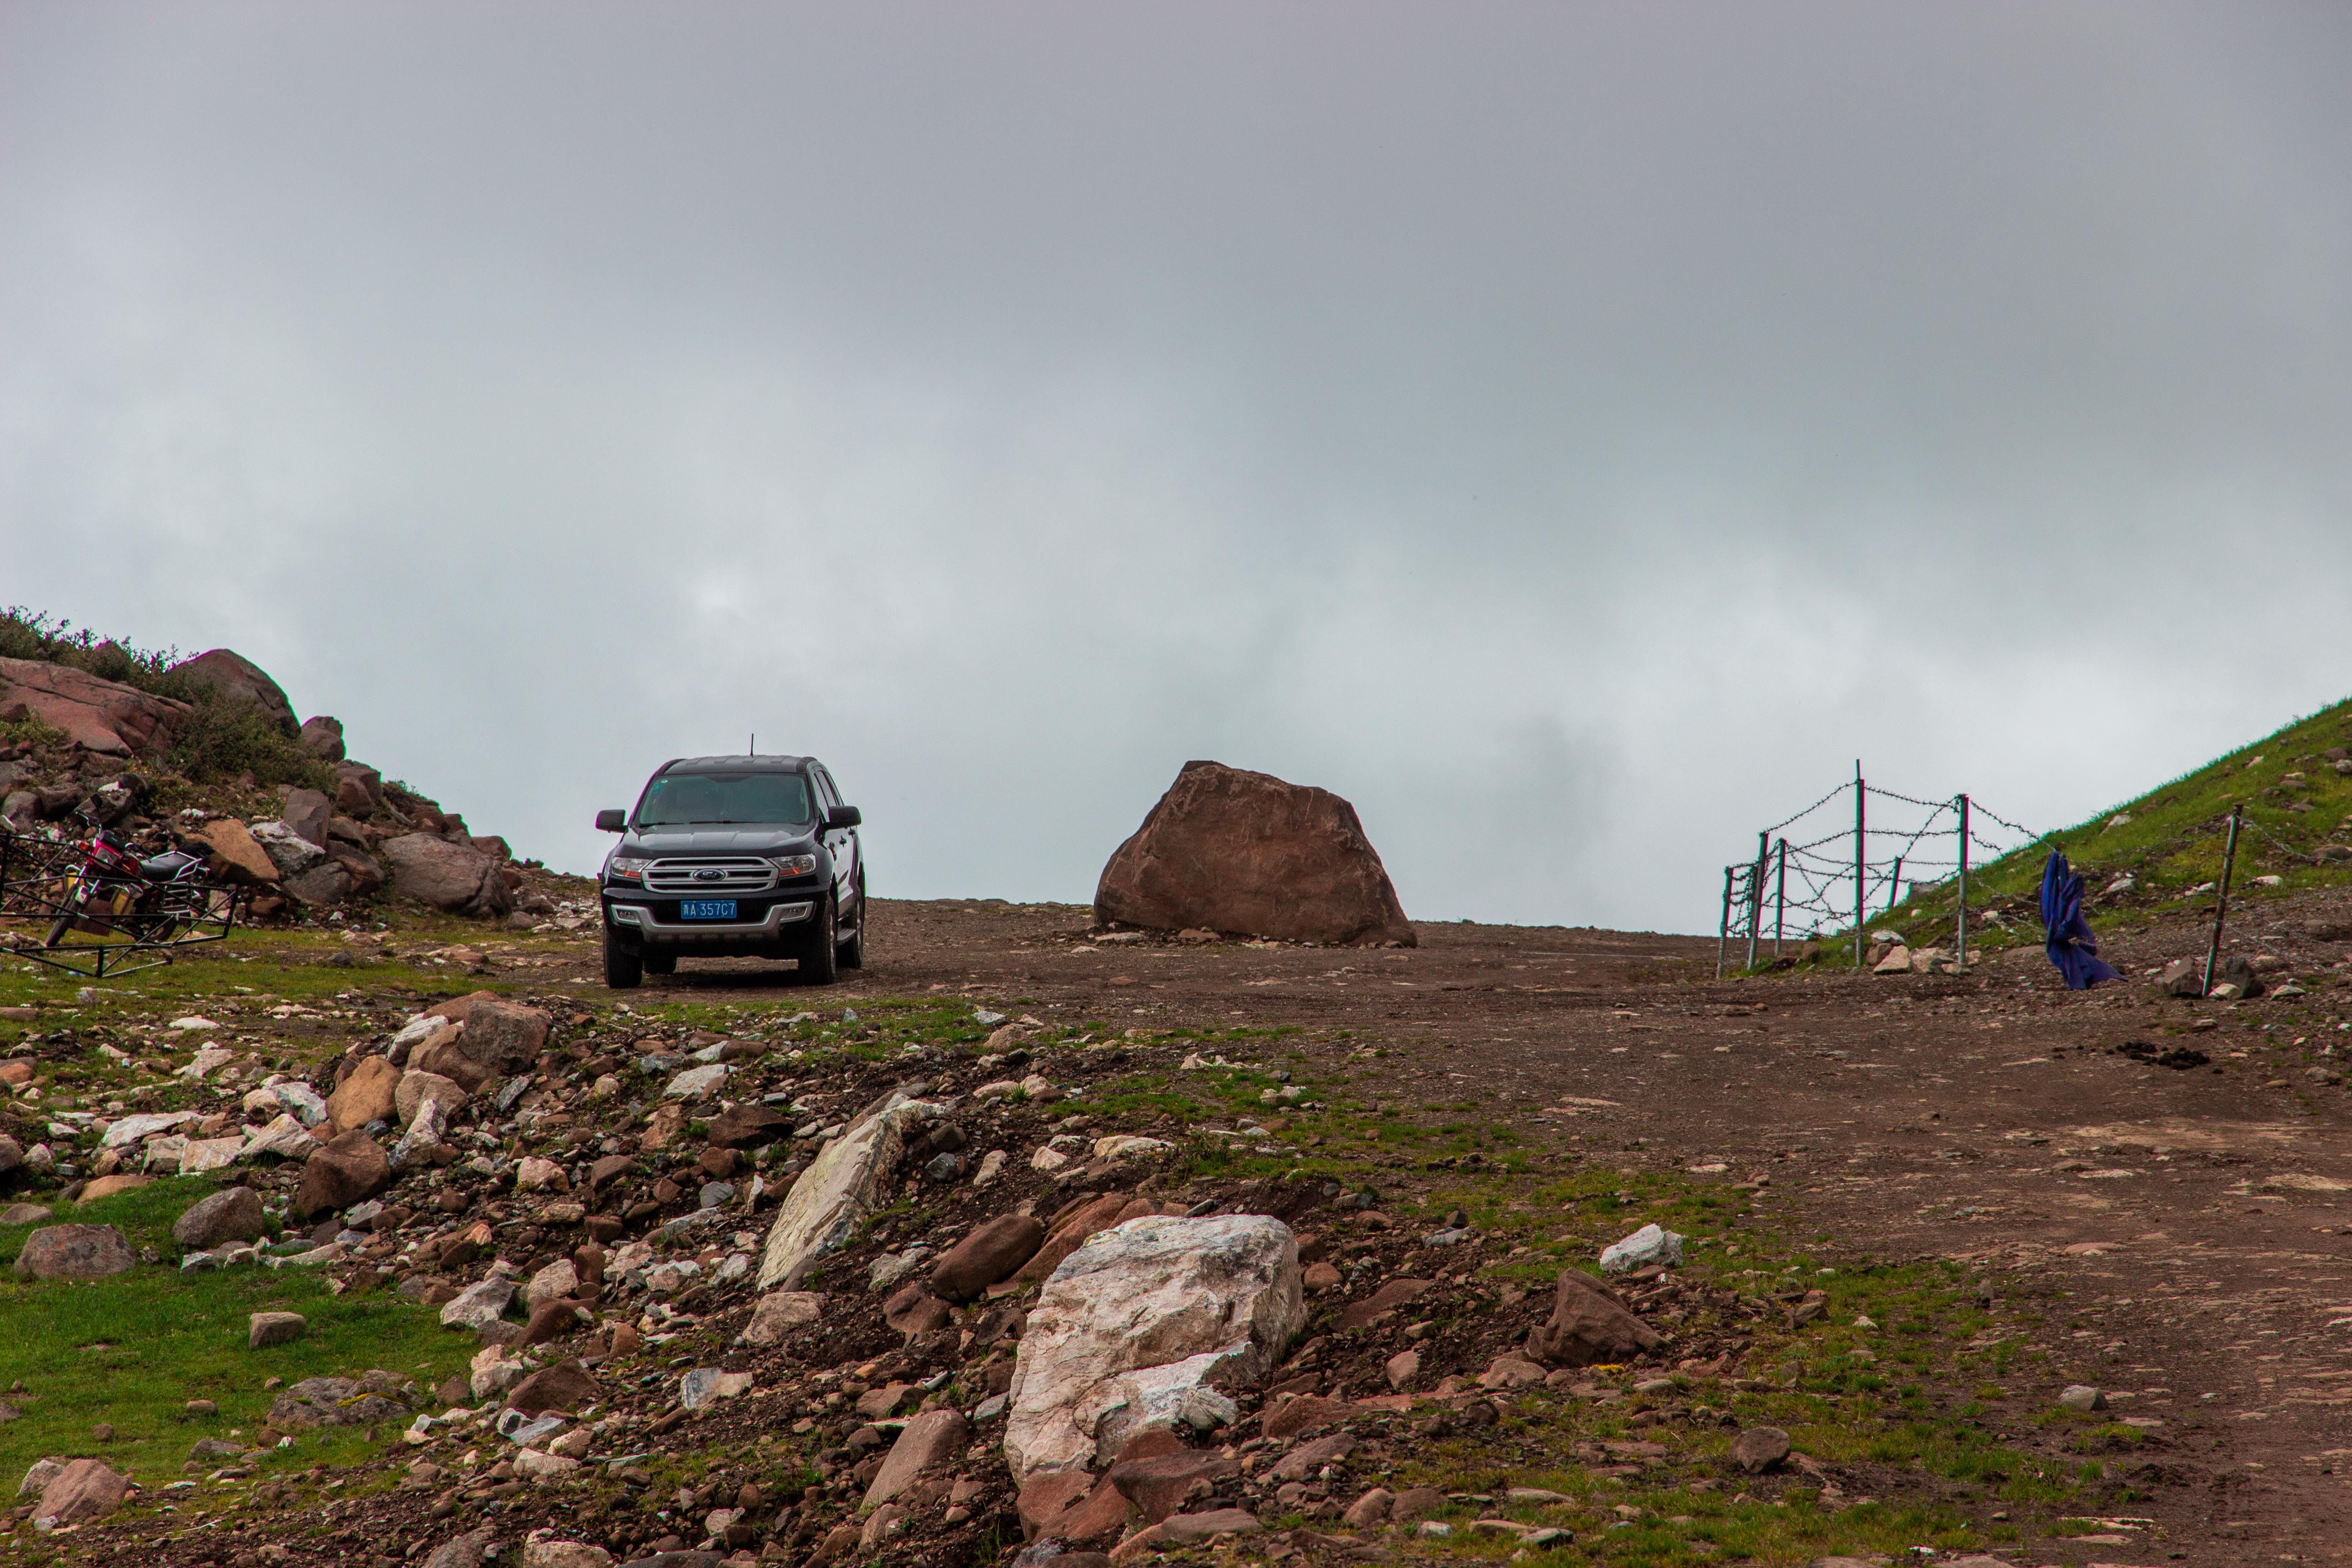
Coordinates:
(2082,1396)
(1759,1448)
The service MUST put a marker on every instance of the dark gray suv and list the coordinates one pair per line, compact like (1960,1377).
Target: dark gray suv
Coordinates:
(735,856)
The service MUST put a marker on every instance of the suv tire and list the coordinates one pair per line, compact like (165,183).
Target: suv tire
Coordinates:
(852,953)
(622,969)
(820,961)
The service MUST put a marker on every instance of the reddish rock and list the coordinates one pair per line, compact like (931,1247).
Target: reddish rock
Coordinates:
(993,1252)
(456,877)
(935,1437)
(365,1096)
(324,738)
(1759,1448)
(75,1252)
(1381,1302)
(237,679)
(359,790)
(233,1214)
(98,715)
(347,1169)
(915,1310)
(566,1386)
(235,854)
(1241,852)
(86,1488)
(740,1125)
(1303,1414)
(1163,1483)
(1073,1508)
(1070,1234)
(1588,1324)
(308,811)
(550,1321)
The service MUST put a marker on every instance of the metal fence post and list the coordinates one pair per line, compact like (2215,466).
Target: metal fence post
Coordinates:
(1861,865)
(1961,934)
(1723,933)
(1781,900)
(1895,889)
(2222,905)
(1755,894)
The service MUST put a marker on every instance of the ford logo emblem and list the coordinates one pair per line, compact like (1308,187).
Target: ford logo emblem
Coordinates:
(711,875)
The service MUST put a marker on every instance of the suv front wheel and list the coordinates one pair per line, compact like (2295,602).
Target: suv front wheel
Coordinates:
(820,960)
(623,968)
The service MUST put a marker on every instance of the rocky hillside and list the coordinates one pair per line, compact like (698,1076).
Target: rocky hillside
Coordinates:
(206,752)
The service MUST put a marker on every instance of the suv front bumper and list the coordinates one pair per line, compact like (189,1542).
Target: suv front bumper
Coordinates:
(656,920)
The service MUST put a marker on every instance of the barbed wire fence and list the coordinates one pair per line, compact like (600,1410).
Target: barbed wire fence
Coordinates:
(1857,867)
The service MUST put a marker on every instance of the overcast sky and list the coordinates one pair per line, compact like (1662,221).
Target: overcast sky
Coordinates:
(1573,433)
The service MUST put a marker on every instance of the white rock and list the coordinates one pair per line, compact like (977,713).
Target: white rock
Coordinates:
(146,1124)
(202,1154)
(892,1267)
(1002,1089)
(424,1131)
(695,1083)
(558,1281)
(542,1467)
(1651,1244)
(299,1098)
(1127,1146)
(992,1165)
(288,850)
(207,1059)
(706,1384)
(193,1021)
(415,1031)
(478,1304)
(565,1554)
(284,1138)
(848,1181)
(494,1370)
(779,1314)
(1128,1331)
(1047,1158)
(533,1174)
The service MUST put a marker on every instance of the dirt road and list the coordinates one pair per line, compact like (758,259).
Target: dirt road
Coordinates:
(2189,1229)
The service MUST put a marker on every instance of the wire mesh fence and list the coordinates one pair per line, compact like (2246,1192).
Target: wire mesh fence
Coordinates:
(1859,850)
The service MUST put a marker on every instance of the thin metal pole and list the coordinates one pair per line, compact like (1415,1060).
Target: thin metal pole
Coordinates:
(1860,866)
(1960,934)
(1755,894)
(1723,933)
(1781,900)
(2222,904)
(1895,891)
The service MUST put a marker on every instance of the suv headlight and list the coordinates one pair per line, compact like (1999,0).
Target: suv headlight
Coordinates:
(793,864)
(626,868)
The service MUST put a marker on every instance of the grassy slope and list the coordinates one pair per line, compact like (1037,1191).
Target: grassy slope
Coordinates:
(2174,841)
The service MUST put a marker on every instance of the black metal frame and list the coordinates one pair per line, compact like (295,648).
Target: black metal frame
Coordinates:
(38,878)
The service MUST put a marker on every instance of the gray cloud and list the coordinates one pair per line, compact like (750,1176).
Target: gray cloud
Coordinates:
(1572,433)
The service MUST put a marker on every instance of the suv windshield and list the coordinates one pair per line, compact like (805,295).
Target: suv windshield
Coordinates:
(678,800)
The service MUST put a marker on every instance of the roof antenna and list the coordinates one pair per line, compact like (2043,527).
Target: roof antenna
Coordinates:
(755,743)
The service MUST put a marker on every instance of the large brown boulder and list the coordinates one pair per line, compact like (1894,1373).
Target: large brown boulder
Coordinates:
(452,877)
(1250,855)
(349,1168)
(233,1214)
(1588,1325)
(238,679)
(98,715)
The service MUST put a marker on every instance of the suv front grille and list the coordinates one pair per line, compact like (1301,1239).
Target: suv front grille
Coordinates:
(692,877)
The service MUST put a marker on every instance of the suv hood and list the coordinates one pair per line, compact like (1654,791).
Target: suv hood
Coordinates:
(739,839)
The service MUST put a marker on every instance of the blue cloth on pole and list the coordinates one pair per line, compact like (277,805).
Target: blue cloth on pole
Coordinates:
(2072,946)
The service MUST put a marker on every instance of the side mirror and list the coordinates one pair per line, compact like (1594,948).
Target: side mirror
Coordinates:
(613,820)
(842,817)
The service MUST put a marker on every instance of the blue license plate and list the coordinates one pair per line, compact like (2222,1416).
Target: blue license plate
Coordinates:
(707,910)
